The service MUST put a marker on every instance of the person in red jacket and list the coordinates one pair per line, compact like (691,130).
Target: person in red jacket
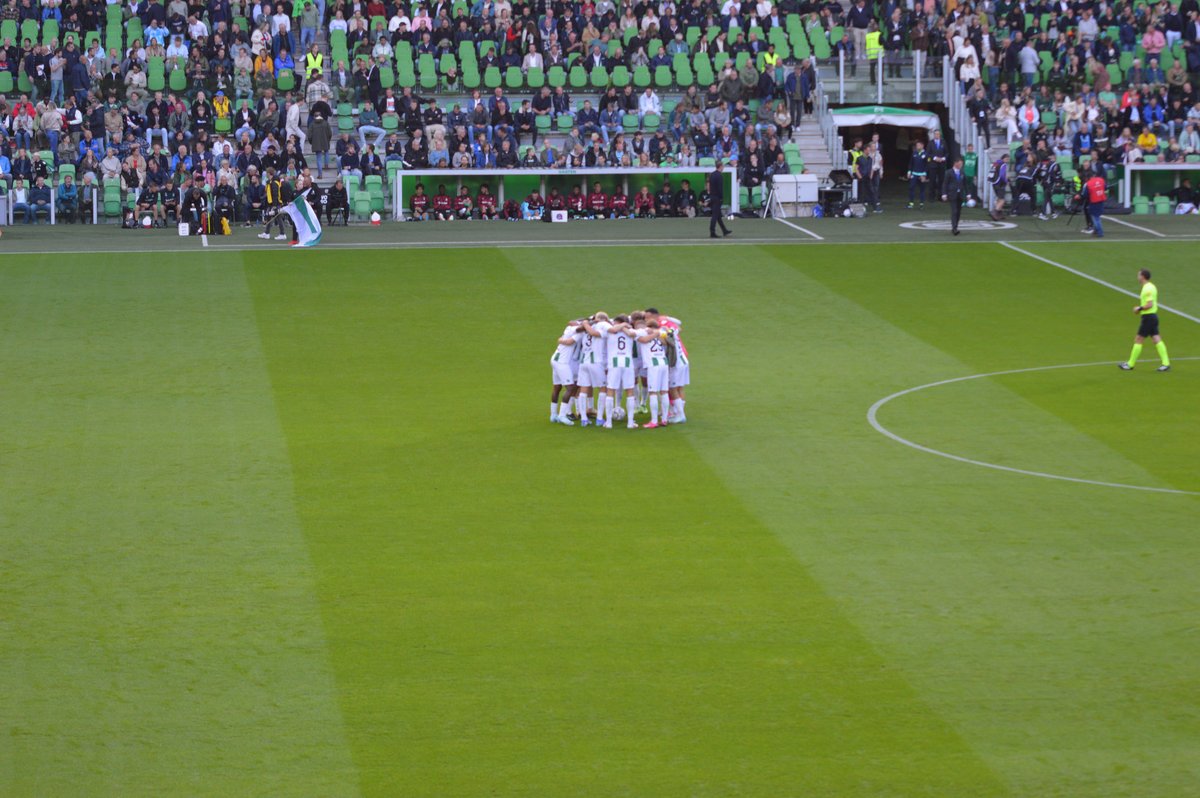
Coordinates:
(598,202)
(1095,191)
(619,202)
(486,203)
(556,201)
(576,203)
(418,204)
(443,205)
(643,203)
(464,206)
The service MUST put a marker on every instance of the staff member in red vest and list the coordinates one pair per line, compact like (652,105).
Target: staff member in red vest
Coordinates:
(1095,192)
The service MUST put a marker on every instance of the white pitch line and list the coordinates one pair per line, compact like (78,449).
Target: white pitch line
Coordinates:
(873,412)
(798,227)
(1087,276)
(1134,226)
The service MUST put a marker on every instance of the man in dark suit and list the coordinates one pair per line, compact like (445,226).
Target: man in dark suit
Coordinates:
(953,190)
(716,193)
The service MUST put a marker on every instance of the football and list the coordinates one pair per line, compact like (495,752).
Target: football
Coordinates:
(971,202)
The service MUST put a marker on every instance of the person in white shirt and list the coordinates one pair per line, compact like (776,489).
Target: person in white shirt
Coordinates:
(620,372)
(653,353)
(592,367)
(677,359)
(564,369)
(292,127)
(648,103)
(398,19)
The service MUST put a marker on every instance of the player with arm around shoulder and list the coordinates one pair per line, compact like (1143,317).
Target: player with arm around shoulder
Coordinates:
(677,360)
(592,375)
(1147,309)
(564,367)
(621,371)
(653,349)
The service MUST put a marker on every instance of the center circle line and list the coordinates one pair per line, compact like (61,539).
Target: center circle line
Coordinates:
(873,420)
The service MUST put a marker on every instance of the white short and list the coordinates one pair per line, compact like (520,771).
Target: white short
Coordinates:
(591,375)
(620,378)
(680,375)
(561,373)
(657,378)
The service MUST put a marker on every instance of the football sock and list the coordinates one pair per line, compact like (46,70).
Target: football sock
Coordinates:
(665,406)
(1161,346)
(583,407)
(630,408)
(553,409)
(681,403)
(609,404)
(653,411)
(1135,354)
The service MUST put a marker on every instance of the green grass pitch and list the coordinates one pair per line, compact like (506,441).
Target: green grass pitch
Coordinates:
(296,523)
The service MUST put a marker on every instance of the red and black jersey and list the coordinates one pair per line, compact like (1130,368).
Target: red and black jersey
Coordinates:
(419,202)
(463,201)
(556,202)
(598,201)
(442,202)
(619,202)
(643,202)
(535,203)
(487,202)
(576,202)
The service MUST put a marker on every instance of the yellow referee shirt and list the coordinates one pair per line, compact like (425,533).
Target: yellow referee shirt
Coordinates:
(1149,297)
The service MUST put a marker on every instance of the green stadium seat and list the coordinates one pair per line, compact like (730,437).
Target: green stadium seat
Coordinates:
(373,184)
(513,79)
(362,204)
(1162,205)
(535,78)
(578,77)
(1141,206)
(556,76)
(620,76)
(641,77)
(663,77)
(599,77)
(491,77)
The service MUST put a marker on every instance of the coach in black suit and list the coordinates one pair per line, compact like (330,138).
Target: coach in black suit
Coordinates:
(953,189)
(716,195)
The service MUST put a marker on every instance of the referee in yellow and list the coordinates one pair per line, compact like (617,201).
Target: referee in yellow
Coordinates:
(1148,310)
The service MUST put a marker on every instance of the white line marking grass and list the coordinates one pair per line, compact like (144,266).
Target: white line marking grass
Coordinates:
(1094,279)
(798,227)
(873,419)
(1134,226)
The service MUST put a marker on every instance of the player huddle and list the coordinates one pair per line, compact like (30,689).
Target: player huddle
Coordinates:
(637,357)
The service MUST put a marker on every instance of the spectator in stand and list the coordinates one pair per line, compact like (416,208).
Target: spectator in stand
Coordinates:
(40,200)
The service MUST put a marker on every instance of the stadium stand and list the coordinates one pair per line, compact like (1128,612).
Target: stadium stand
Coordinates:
(138,97)
(218,91)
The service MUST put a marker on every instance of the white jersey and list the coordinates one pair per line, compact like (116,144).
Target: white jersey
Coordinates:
(620,350)
(592,350)
(565,353)
(653,353)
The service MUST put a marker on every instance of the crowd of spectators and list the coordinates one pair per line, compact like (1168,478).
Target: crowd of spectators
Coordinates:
(1112,83)
(151,94)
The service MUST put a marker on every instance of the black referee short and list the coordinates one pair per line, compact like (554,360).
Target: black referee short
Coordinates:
(1149,326)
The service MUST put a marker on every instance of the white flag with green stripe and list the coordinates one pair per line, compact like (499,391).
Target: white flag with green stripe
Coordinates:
(308,224)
